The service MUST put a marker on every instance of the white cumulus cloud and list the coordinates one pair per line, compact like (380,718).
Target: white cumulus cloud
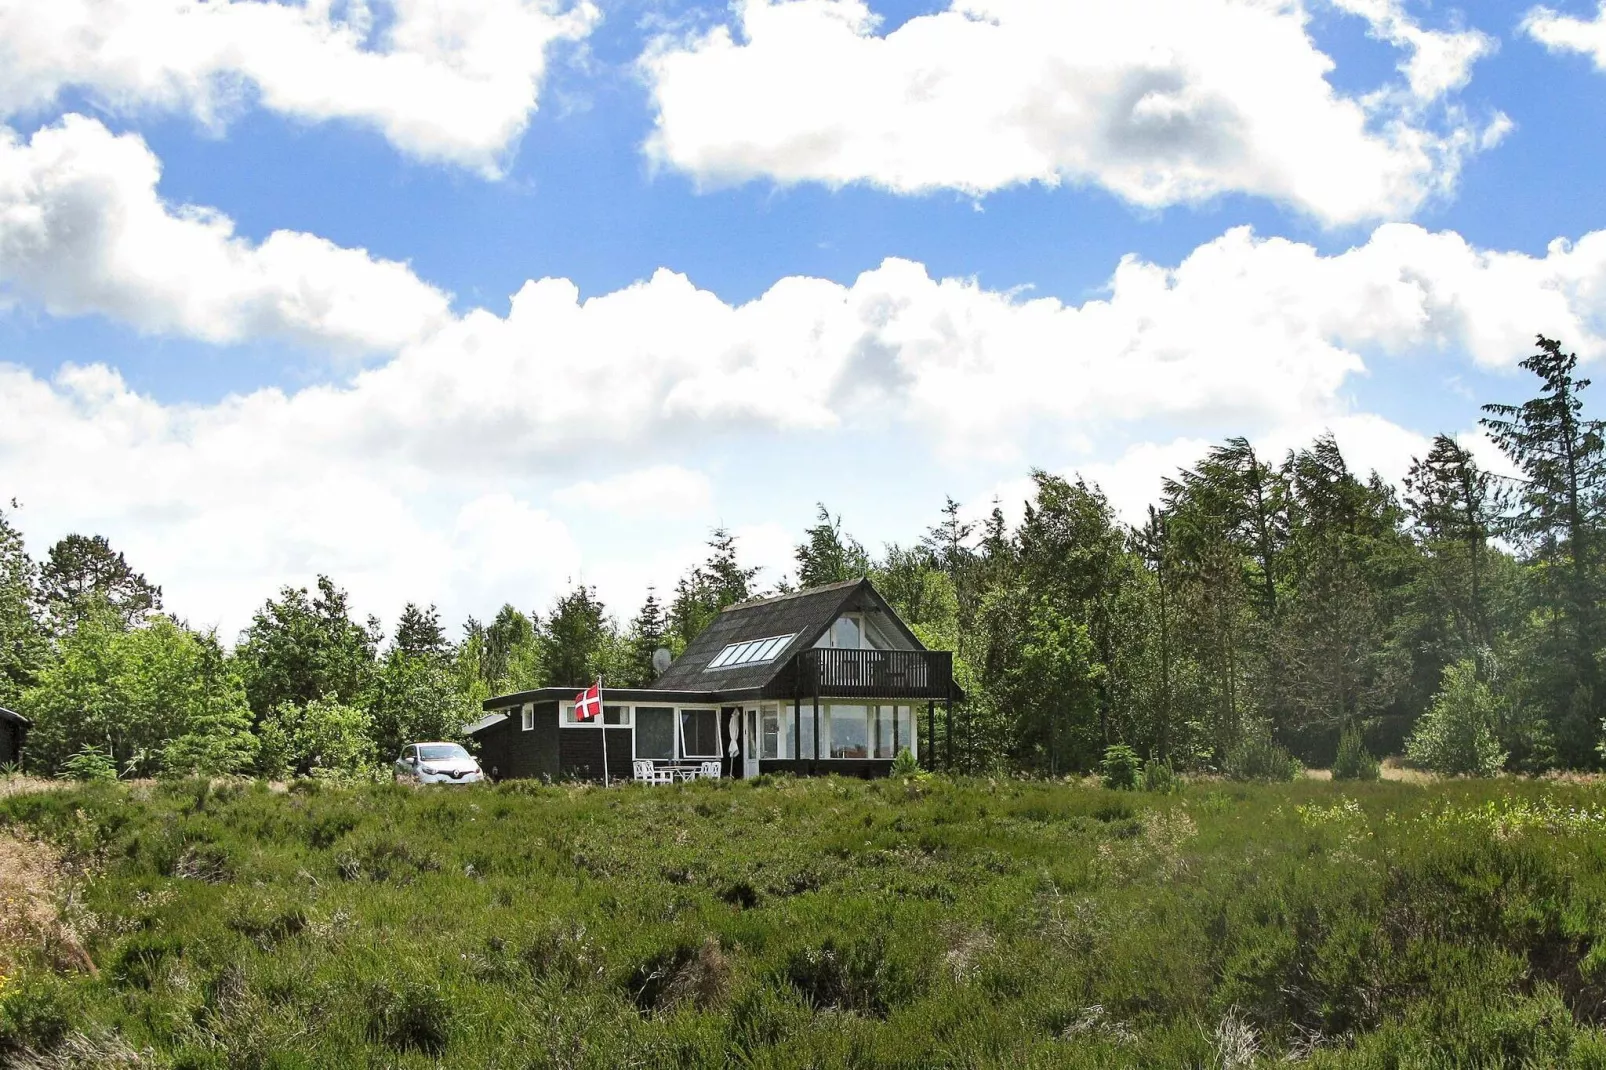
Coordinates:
(468,463)
(83,230)
(1567,33)
(1160,101)
(660,490)
(450,82)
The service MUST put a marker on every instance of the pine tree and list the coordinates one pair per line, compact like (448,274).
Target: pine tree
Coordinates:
(647,635)
(419,632)
(81,569)
(829,555)
(577,636)
(1555,515)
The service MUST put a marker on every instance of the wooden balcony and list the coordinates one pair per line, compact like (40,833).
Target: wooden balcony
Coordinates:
(879,674)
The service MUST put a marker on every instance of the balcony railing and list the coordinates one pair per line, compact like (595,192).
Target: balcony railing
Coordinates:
(914,674)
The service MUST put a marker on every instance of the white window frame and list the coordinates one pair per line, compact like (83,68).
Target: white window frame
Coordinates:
(680,733)
(527,717)
(627,713)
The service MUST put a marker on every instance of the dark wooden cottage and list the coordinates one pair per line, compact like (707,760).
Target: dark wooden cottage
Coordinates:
(13,733)
(827,680)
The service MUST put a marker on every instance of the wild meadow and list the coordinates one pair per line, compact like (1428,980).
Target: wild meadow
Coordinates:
(823,923)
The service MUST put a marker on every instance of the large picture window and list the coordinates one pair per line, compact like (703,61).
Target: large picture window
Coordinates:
(699,733)
(655,732)
(849,731)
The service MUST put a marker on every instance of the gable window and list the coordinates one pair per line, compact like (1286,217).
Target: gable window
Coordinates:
(655,732)
(527,716)
(845,633)
(699,733)
(751,652)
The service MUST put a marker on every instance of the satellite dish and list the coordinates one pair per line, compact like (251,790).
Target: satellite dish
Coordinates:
(660,660)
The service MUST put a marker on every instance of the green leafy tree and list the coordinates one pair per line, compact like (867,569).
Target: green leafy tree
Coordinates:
(83,572)
(323,736)
(303,647)
(1459,734)
(133,692)
(416,698)
(22,639)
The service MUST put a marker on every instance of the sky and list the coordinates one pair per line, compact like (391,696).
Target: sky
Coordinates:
(467,303)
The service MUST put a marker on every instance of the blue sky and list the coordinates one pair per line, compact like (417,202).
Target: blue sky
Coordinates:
(297,351)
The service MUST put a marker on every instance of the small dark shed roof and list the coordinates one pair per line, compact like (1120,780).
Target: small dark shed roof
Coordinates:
(807,613)
(15,718)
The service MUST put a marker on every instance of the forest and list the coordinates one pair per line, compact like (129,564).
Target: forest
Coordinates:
(1268,611)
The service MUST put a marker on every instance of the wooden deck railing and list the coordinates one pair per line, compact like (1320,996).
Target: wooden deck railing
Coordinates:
(913,674)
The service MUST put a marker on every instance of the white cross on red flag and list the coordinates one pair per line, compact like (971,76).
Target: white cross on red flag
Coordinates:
(588,703)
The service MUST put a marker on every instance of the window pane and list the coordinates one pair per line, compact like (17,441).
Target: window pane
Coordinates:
(616,715)
(906,730)
(846,633)
(807,732)
(883,731)
(699,733)
(849,731)
(722,657)
(769,732)
(655,732)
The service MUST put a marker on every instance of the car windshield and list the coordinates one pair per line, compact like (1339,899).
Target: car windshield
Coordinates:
(442,752)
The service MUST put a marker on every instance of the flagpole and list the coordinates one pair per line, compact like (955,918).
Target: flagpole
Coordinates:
(603,717)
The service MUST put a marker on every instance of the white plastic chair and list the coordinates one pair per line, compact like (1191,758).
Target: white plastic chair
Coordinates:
(712,770)
(649,773)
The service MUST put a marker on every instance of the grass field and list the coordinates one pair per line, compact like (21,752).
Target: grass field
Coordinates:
(811,924)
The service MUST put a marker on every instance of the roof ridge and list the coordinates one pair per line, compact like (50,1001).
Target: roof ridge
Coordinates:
(822,588)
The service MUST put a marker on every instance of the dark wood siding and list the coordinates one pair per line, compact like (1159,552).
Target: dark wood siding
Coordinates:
(10,742)
(580,753)
(506,750)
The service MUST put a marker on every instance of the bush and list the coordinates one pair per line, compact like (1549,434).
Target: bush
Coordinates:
(905,765)
(1354,761)
(91,763)
(1259,757)
(1457,734)
(1119,767)
(1160,778)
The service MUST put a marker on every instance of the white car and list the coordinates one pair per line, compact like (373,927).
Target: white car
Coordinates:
(438,763)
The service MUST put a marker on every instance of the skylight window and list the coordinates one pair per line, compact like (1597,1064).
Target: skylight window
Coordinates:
(751,652)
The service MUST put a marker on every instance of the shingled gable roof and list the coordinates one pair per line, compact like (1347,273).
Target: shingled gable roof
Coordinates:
(807,613)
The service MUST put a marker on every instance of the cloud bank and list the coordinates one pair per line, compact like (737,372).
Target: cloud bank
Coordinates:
(1161,102)
(454,83)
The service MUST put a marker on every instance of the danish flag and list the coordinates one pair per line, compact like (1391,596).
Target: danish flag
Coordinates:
(588,703)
